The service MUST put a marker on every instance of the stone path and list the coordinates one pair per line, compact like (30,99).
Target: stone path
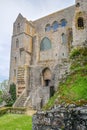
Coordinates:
(30,112)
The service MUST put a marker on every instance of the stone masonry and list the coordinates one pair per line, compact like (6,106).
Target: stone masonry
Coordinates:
(61,118)
(40,51)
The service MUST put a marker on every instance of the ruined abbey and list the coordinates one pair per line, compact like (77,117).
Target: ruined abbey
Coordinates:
(40,52)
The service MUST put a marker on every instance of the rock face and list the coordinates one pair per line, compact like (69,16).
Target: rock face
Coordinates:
(40,51)
(61,118)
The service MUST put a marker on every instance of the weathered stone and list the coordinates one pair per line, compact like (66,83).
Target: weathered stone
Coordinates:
(40,57)
(70,118)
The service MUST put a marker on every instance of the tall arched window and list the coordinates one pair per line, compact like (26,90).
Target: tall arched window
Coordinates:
(55,25)
(80,22)
(17,43)
(63,37)
(47,28)
(45,44)
(63,22)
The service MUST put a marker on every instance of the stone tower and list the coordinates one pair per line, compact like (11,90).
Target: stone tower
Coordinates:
(80,23)
(21,51)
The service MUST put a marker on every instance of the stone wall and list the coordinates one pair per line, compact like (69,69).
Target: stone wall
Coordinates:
(61,118)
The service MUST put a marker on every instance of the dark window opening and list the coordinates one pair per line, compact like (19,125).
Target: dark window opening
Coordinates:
(80,23)
(41,103)
(52,91)
(78,5)
(47,82)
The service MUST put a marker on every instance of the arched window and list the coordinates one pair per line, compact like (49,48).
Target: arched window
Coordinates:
(63,22)
(47,28)
(80,22)
(45,44)
(18,27)
(17,43)
(55,26)
(63,37)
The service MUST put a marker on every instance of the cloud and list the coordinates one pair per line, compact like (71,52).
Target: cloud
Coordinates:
(31,9)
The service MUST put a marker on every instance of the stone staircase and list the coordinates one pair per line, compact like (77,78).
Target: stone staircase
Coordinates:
(22,100)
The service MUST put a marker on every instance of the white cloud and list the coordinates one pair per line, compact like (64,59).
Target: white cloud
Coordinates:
(31,9)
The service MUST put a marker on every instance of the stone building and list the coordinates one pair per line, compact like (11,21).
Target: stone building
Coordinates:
(40,51)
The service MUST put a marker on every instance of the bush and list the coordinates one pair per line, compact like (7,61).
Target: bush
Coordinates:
(7,98)
(3,111)
(74,53)
(81,51)
(12,92)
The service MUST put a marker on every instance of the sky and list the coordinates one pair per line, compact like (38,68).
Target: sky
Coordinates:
(31,9)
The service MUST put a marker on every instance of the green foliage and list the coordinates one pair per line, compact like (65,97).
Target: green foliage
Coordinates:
(4,86)
(3,110)
(7,98)
(78,61)
(81,51)
(12,92)
(15,122)
(74,53)
(1,100)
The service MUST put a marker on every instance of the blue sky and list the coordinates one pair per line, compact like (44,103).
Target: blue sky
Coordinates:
(31,9)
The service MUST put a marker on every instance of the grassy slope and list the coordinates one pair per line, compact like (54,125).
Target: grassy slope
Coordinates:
(74,90)
(15,122)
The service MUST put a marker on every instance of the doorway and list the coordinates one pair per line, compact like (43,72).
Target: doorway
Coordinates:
(46,73)
(47,82)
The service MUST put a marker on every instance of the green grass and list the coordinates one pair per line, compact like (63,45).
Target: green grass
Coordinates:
(15,122)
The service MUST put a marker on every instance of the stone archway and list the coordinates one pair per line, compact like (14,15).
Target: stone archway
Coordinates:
(46,77)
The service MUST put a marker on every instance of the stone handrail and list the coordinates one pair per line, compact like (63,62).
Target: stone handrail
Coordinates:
(25,104)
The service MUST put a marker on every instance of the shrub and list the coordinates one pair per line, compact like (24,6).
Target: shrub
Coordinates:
(3,111)
(7,98)
(12,92)
(74,53)
(81,51)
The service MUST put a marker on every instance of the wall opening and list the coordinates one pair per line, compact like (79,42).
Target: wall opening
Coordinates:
(80,23)
(46,73)
(47,82)
(52,91)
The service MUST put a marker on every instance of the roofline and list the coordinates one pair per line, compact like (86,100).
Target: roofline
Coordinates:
(54,13)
